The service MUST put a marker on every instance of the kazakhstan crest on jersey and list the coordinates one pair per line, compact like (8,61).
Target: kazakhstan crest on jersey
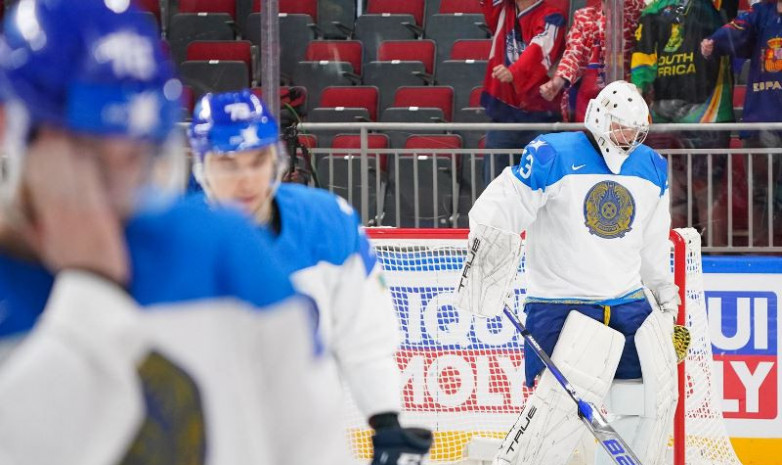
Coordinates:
(609,210)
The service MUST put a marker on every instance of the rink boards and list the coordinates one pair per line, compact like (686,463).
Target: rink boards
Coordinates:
(471,373)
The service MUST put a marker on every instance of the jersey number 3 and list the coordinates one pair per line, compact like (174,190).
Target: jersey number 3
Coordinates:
(525,166)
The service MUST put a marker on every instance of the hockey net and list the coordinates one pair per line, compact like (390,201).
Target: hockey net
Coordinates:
(462,376)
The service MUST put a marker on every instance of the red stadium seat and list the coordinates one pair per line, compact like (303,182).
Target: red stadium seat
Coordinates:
(473,49)
(208,6)
(401,7)
(153,6)
(353,141)
(351,97)
(294,7)
(409,50)
(426,97)
(234,50)
(460,6)
(336,50)
(309,141)
(475,96)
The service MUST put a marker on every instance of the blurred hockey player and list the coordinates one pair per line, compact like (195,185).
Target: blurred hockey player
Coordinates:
(595,210)
(135,327)
(238,161)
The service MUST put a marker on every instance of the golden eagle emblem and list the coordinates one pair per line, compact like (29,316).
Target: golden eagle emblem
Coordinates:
(609,210)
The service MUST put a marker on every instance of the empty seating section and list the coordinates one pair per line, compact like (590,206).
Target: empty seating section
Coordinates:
(463,76)
(351,97)
(214,76)
(336,50)
(471,49)
(423,186)
(340,172)
(409,50)
(401,61)
(189,27)
(410,7)
(428,97)
(317,75)
(447,29)
(374,29)
(388,75)
(236,50)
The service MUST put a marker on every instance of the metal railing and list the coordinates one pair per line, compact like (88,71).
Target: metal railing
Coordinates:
(716,190)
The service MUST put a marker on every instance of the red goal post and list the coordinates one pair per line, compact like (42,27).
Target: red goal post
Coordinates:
(457,373)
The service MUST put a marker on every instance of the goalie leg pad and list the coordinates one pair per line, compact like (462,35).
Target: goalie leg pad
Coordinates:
(646,408)
(492,260)
(548,429)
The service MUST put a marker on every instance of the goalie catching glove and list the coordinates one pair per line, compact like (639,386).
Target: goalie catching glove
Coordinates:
(492,261)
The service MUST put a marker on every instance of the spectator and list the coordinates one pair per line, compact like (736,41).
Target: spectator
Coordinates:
(684,87)
(582,66)
(528,38)
(757,35)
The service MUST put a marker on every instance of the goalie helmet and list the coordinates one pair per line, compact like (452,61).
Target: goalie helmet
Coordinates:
(619,120)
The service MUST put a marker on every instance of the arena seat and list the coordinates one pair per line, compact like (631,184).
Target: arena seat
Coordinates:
(475,96)
(208,6)
(317,75)
(214,76)
(460,6)
(409,7)
(428,97)
(351,51)
(234,50)
(351,97)
(447,29)
(409,50)
(409,115)
(374,29)
(471,49)
(295,34)
(388,75)
(463,76)
(189,27)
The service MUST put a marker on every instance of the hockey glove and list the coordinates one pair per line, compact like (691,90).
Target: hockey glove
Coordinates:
(401,446)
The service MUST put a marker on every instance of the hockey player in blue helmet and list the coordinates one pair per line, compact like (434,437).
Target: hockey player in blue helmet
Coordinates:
(238,160)
(134,327)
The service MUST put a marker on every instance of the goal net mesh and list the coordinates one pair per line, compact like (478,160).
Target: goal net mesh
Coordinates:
(462,376)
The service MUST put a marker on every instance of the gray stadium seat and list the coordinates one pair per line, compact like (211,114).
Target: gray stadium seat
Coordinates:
(408,115)
(462,75)
(422,187)
(471,115)
(335,115)
(373,29)
(214,76)
(447,29)
(388,75)
(187,27)
(336,11)
(317,75)
(295,33)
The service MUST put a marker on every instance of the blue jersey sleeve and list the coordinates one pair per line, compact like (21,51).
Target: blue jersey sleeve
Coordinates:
(536,165)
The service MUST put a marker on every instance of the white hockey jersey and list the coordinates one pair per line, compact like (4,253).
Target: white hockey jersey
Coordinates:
(199,362)
(590,234)
(330,259)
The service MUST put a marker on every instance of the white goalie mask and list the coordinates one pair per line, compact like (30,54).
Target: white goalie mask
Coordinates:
(619,120)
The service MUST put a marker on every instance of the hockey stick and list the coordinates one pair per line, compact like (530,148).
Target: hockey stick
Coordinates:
(595,422)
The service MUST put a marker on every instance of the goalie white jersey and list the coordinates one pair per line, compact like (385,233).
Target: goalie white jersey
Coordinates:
(585,226)
(330,259)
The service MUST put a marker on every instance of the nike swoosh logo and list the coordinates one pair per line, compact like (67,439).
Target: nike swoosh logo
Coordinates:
(576,168)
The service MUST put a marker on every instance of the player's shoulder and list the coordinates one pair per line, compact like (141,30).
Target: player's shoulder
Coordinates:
(320,210)
(551,157)
(644,162)
(323,221)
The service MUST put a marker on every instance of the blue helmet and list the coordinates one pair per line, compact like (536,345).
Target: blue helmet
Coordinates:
(231,122)
(89,66)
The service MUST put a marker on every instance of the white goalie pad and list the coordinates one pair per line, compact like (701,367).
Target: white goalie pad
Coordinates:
(651,403)
(492,260)
(548,428)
